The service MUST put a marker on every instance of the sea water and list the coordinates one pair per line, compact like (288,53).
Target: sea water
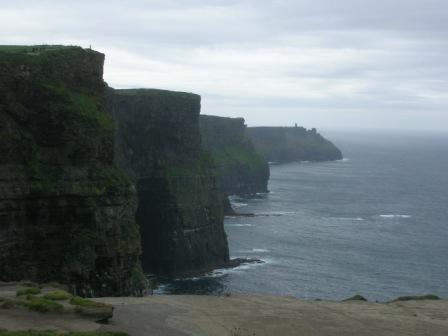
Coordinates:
(375,223)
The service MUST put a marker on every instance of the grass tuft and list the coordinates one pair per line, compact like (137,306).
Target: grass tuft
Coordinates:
(59,295)
(79,301)
(28,291)
(43,305)
(98,310)
(416,298)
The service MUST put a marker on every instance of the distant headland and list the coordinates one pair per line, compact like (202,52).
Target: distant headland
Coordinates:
(289,144)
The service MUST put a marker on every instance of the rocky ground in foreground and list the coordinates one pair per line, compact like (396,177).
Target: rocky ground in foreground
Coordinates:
(233,315)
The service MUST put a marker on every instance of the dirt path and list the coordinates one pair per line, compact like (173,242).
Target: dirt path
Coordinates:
(242,315)
(258,315)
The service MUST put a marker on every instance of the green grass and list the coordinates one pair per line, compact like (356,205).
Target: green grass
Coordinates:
(55,333)
(82,104)
(43,305)
(79,301)
(31,48)
(157,93)
(28,291)
(58,295)
(31,301)
(414,298)
(99,311)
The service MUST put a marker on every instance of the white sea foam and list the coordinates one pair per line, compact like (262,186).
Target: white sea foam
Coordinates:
(160,289)
(358,219)
(260,250)
(275,213)
(254,250)
(238,225)
(243,267)
(395,216)
(238,204)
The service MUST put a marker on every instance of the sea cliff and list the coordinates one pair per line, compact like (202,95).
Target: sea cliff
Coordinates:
(66,211)
(240,169)
(179,205)
(288,144)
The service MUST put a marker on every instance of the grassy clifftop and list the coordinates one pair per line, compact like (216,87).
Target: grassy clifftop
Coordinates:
(288,144)
(53,96)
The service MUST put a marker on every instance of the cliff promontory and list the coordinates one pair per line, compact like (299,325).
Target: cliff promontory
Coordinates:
(66,211)
(288,144)
(240,169)
(179,205)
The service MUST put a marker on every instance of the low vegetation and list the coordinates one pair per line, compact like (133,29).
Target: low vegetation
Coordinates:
(57,301)
(59,295)
(28,291)
(413,298)
(79,301)
(42,305)
(85,307)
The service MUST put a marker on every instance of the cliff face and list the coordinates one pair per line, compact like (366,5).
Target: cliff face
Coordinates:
(240,169)
(66,212)
(179,208)
(287,144)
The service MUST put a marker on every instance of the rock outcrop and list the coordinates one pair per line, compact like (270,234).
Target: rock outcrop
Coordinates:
(288,144)
(240,169)
(66,211)
(179,206)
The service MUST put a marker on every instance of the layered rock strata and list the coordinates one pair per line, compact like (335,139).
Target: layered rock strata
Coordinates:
(240,169)
(179,205)
(66,211)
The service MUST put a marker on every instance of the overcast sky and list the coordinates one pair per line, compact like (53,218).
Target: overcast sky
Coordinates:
(320,63)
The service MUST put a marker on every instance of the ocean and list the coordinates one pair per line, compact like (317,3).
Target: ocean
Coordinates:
(375,224)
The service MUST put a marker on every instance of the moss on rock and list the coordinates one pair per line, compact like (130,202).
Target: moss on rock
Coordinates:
(66,211)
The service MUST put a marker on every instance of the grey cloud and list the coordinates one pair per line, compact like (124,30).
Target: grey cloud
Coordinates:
(270,60)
